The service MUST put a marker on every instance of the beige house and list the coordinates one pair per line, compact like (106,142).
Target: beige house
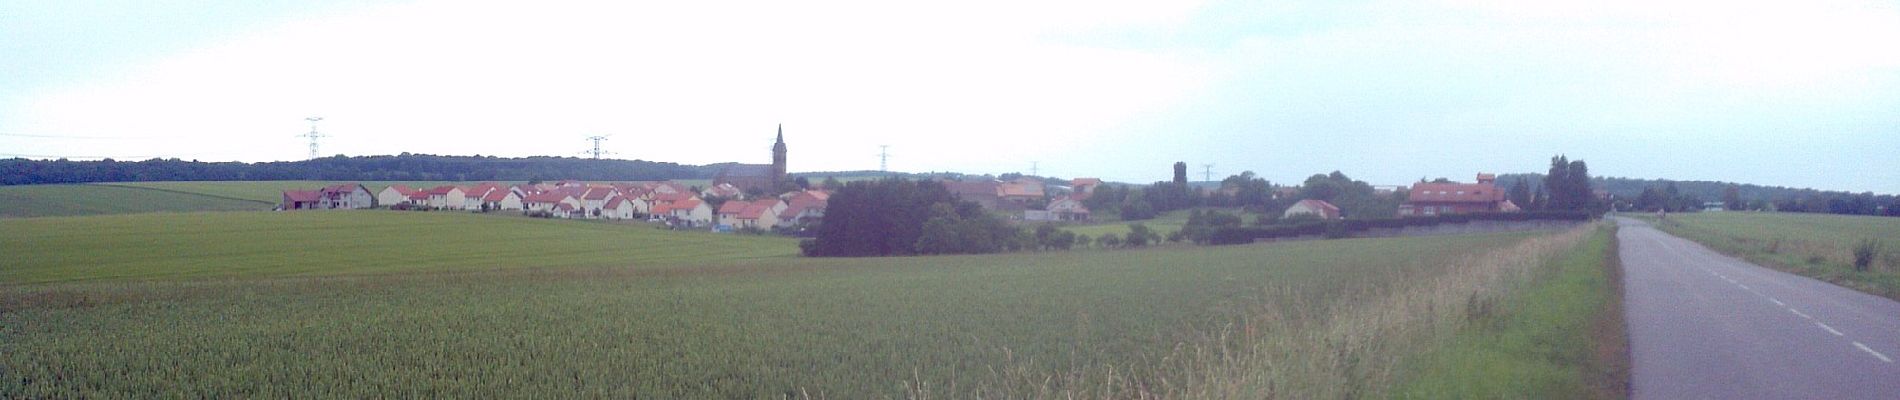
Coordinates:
(693,212)
(617,208)
(550,202)
(346,196)
(449,197)
(393,195)
(500,199)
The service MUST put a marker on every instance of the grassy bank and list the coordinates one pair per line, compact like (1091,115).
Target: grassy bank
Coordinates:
(266,310)
(1559,336)
(1819,246)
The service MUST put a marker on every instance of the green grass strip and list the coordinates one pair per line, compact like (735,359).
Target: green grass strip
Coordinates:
(1560,337)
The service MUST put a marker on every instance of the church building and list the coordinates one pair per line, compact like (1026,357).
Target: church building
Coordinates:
(758,177)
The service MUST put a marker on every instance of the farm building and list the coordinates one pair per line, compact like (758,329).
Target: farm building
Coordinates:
(1318,208)
(301,200)
(1451,198)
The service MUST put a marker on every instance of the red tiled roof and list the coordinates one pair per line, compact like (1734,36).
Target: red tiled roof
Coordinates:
(598,193)
(419,195)
(440,190)
(757,209)
(550,197)
(616,202)
(673,197)
(684,205)
(1455,193)
(799,204)
(302,195)
(497,195)
(733,207)
(1084,181)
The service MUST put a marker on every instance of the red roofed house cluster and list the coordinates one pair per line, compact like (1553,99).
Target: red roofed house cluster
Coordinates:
(1451,198)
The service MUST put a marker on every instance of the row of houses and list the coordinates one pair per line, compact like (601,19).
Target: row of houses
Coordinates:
(665,201)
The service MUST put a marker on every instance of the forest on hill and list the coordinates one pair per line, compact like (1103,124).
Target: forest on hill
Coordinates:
(1683,195)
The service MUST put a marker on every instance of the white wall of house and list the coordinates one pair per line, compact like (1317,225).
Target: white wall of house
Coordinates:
(701,215)
(390,196)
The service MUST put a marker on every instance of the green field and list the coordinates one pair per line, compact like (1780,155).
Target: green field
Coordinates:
(64,200)
(1815,245)
(411,304)
(267,191)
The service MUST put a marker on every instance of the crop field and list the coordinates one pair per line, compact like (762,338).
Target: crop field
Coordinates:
(1815,245)
(64,200)
(381,304)
(265,191)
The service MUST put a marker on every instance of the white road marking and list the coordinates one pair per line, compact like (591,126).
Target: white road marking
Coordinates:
(1798,312)
(1744,287)
(1829,329)
(1777,302)
(1882,357)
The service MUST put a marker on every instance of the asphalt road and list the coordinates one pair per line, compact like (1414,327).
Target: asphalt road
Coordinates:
(1703,325)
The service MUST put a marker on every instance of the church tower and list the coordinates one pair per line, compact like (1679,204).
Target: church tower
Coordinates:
(778,158)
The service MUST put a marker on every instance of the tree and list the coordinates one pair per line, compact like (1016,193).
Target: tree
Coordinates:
(1140,236)
(831,183)
(1521,194)
(1137,208)
(802,183)
(878,217)
(1732,198)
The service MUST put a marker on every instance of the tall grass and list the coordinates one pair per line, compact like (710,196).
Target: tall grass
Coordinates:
(1833,248)
(1281,345)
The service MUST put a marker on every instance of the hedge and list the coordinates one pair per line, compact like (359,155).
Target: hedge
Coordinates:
(1242,235)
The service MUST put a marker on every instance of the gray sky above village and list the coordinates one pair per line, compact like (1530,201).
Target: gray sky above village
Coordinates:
(1801,93)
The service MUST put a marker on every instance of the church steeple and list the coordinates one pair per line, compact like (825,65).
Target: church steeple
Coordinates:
(778,158)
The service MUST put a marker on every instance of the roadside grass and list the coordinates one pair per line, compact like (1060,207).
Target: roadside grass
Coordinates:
(267,309)
(1559,336)
(264,244)
(1819,246)
(25,201)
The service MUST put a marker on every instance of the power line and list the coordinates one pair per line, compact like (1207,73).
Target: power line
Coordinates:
(597,151)
(313,135)
(884,158)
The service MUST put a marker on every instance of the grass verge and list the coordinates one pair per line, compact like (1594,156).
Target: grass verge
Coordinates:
(1818,246)
(1561,336)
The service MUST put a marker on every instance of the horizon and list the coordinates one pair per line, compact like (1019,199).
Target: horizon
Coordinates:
(1763,93)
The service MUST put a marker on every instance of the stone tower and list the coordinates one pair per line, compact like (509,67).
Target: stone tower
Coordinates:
(778,158)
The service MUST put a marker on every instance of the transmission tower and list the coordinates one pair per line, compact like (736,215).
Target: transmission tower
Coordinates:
(313,135)
(884,158)
(596,152)
(1207,172)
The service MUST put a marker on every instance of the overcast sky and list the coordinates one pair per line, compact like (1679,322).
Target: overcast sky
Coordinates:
(1793,93)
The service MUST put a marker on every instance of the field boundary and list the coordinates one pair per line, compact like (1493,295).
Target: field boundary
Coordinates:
(182,192)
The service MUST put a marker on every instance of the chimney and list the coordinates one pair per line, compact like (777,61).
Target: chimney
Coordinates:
(1487,178)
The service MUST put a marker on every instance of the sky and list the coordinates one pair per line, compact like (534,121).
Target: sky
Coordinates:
(1802,94)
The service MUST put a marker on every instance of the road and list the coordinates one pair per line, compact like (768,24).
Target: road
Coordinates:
(1703,325)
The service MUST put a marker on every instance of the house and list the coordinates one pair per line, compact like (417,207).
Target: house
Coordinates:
(983,193)
(691,212)
(302,200)
(1083,188)
(723,190)
(394,194)
(501,200)
(803,208)
(761,214)
(1454,198)
(1319,208)
(595,198)
(567,210)
(1023,190)
(445,196)
(728,212)
(617,208)
(1068,208)
(347,196)
(550,202)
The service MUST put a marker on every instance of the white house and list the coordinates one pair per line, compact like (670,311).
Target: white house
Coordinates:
(393,195)
(1318,208)
(617,208)
(691,211)
(501,200)
(550,201)
(449,197)
(349,195)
